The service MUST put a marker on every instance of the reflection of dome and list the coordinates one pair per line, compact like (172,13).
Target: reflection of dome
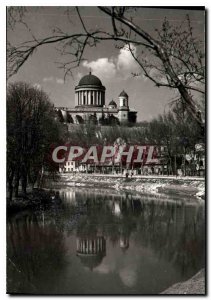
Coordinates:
(112,104)
(123,94)
(91,250)
(91,261)
(90,80)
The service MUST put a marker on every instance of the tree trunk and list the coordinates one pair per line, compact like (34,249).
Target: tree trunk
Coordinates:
(10,185)
(24,182)
(10,188)
(17,179)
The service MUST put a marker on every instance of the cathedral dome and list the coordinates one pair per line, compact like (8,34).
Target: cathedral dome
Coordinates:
(90,80)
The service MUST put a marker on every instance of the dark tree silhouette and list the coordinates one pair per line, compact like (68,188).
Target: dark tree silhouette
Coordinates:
(31,129)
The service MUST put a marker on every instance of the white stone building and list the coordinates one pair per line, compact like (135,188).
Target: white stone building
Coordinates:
(90,105)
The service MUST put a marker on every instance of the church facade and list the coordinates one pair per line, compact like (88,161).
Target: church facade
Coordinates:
(91,107)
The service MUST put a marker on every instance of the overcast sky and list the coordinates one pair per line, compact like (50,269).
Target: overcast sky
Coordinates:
(113,66)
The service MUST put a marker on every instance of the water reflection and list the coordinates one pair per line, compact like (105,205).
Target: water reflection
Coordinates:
(91,250)
(105,242)
(33,247)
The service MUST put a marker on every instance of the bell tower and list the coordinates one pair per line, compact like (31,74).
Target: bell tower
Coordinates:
(123,107)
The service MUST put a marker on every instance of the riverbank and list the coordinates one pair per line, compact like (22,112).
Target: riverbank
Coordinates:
(34,199)
(193,286)
(162,185)
(187,186)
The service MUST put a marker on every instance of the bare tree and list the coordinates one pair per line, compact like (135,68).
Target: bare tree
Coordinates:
(173,59)
(31,129)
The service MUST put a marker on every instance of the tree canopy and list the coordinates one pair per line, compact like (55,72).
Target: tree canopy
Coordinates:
(31,129)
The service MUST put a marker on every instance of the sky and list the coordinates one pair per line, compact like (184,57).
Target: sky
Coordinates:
(112,65)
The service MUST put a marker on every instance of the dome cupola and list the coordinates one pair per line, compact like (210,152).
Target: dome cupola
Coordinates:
(90,80)
(112,104)
(90,92)
(123,94)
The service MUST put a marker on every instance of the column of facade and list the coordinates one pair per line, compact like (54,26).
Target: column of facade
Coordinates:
(92,100)
(84,97)
(89,97)
(100,96)
(80,96)
(97,96)
(94,96)
(98,99)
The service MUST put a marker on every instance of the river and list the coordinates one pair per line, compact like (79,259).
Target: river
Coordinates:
(101,241)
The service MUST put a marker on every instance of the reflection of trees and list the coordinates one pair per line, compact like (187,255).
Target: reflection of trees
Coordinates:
(100,217)
(36,252)
(173,230)
(175,233)
(36,255)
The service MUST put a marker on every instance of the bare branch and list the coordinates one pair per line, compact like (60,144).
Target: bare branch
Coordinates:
(175,56)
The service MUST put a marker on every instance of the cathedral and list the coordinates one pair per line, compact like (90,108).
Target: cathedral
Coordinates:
(91,107)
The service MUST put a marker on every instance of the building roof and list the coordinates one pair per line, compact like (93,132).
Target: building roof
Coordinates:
(123,94)
(112,103)
(90,80)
